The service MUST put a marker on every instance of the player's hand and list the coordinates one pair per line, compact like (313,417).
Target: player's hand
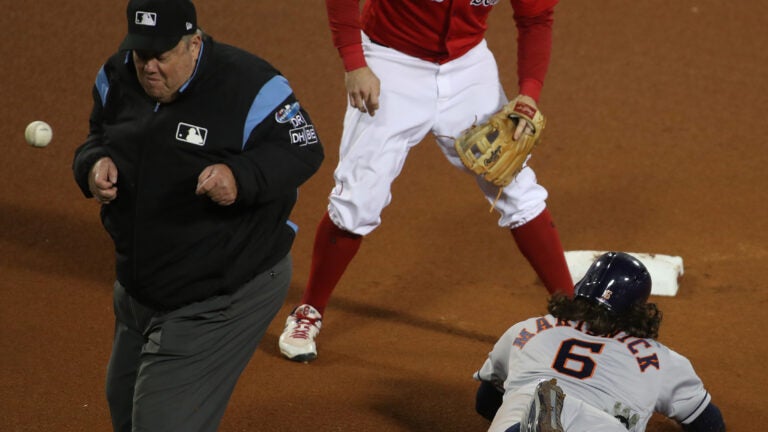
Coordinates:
(524,126)
(218,183)
(102,180)
(363,88)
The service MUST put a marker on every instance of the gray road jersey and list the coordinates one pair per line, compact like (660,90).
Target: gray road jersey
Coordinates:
(625,377)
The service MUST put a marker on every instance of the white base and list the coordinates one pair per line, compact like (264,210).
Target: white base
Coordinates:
(664,269)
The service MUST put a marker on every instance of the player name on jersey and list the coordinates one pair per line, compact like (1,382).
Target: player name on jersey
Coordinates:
(641,349)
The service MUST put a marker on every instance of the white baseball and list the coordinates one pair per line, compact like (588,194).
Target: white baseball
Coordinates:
(38,133)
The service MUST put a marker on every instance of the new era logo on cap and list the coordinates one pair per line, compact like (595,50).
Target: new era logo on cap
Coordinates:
(146,18)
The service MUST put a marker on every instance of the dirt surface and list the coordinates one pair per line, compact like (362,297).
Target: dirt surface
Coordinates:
(655,143)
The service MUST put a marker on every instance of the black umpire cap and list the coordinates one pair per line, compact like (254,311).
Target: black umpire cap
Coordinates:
(158,25)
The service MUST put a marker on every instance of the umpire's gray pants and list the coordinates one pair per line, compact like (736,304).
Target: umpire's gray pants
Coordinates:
(175,371)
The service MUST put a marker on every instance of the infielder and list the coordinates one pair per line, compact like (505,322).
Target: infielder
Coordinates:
(600,348)
(414,68)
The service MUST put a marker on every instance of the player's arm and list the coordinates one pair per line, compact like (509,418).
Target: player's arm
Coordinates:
(684,398)
(534,21)
(488,400)
(492,375)
(344,21)
(710,420)
(363,86)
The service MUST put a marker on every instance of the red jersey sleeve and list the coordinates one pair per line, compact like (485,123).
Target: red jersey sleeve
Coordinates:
(534,20)
(344,21)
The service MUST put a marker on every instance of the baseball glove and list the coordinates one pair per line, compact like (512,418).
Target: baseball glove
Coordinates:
(489,149)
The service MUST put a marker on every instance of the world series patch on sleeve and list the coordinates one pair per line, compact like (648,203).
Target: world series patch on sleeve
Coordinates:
(302,133)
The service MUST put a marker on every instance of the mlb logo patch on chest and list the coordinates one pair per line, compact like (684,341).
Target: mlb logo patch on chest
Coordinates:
(191,134)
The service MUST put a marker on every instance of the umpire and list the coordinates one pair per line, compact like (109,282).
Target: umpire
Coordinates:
(196,151)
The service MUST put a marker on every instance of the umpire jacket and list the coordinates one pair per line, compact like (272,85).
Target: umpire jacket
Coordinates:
(172,246)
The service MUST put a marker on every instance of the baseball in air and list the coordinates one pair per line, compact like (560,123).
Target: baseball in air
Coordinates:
(38,133)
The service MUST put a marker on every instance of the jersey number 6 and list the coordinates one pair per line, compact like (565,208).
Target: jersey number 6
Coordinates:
(568,362)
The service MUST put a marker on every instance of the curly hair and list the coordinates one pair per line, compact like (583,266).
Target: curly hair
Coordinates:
(642,320)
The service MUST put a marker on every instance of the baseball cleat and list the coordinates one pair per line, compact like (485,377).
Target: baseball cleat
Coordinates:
(543,414)
(302,326)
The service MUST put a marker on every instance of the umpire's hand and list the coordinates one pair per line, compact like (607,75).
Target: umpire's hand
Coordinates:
(102,180)
(218,182)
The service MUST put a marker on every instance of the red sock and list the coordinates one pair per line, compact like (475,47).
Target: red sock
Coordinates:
(333,250)
(539,242)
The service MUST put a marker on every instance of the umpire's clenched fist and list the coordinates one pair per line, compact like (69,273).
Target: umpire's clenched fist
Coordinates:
(218,182)
(102,180)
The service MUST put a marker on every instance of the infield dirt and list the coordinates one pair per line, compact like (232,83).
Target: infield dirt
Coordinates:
(655,143)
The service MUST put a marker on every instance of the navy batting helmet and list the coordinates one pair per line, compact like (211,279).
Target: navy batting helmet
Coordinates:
(615,280)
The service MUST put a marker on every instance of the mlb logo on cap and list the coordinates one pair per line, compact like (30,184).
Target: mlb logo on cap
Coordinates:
(146,18)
